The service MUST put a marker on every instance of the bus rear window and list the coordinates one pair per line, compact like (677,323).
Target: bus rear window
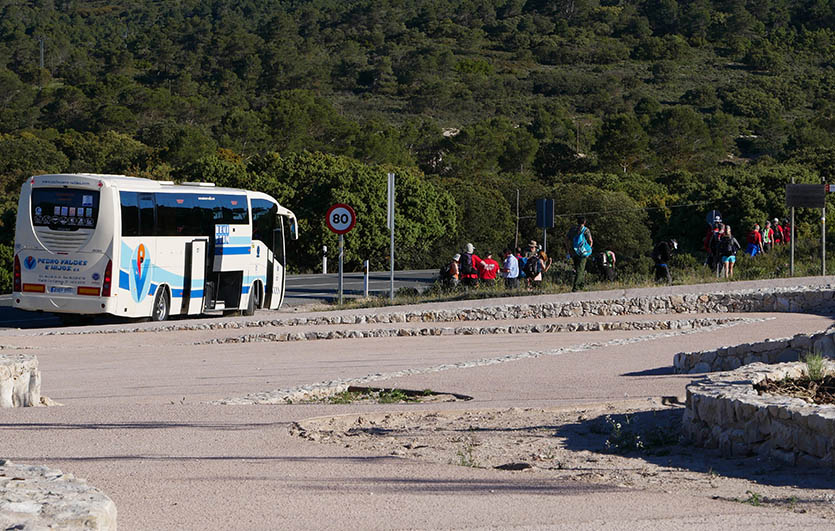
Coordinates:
(65,208)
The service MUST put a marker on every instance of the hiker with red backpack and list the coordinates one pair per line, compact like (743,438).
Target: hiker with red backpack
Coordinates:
(779,236)
(579,244)
(755,241)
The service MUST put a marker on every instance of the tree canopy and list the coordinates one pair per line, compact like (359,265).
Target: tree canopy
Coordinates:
(668,107)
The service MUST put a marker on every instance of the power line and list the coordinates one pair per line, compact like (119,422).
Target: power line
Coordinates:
(690,205)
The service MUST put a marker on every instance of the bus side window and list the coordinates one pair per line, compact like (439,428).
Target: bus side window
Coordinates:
(174,216)
(130,213)
(147,217)
(263,220)
(204,216)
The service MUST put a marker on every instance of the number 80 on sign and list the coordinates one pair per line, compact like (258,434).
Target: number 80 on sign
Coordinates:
(341,218)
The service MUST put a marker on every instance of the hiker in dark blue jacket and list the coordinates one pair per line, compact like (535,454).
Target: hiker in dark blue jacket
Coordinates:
(661,255)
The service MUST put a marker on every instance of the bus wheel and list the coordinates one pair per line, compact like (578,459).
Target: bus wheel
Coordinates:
(161,305)
(253,301)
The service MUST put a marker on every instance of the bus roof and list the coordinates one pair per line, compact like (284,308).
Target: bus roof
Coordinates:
(125,182)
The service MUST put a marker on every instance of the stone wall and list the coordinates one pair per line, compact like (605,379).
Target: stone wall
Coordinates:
(20,380)
(796,299)
(431,330)
(37,497)
(770,351)
(724,411)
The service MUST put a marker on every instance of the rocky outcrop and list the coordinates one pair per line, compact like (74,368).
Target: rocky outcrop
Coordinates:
(37,497)
(20,381)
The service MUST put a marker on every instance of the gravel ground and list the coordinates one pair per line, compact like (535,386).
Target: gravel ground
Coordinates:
(633,444)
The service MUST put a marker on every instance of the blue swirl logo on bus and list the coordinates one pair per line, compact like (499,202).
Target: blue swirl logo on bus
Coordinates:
(140,266)
(30,263)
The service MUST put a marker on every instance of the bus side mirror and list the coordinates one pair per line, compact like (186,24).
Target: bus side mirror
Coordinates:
(294,229)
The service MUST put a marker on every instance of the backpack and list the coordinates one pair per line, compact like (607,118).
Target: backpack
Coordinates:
(726,247)
(532,267)
(580,244)
(465,266)
(444,274)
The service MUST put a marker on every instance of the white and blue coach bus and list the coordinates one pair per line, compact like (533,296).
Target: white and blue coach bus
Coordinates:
(110,244)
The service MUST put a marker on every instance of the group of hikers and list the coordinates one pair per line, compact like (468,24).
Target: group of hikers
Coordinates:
(721,246)
(469,270)
(527,269)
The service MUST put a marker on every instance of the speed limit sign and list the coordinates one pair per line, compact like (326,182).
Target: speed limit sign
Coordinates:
(341,218)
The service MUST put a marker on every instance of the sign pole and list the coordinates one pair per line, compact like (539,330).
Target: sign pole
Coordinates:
(792,237)
(823,241)
(340,219)
(341,255)
(391,229)
(516,239)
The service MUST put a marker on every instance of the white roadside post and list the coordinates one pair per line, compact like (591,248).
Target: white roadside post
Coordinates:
(341,218)
(390,226)
(365,283)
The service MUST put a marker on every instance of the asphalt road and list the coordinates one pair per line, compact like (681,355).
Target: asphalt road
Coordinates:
(137,422)
(304,289)
(301,290)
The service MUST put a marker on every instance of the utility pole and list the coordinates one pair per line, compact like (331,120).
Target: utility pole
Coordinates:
(792,237)
(516,240)
(390,224)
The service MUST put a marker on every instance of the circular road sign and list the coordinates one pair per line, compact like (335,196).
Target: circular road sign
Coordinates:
(341,218)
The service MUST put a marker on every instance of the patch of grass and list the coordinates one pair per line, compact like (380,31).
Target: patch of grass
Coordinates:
(381,396)
(345,397)
(622,438)
(815,366)
(465,456)
(393,396)
(753,498)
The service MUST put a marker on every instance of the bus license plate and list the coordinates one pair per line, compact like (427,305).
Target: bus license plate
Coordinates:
(60,289)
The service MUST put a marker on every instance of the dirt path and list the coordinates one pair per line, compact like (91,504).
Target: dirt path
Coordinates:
(624,444)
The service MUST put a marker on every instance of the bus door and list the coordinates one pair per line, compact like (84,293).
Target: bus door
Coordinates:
(275,270)
(195,277)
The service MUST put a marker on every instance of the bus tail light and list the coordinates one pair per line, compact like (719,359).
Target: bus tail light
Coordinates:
(17,278)
(108,278)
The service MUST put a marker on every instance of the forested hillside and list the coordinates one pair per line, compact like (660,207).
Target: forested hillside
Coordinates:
(644,114)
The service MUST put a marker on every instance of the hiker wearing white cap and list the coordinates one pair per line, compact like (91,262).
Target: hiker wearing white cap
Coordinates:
(779,237)
(468,266)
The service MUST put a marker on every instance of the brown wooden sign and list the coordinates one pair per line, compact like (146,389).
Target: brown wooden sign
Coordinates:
(806,195)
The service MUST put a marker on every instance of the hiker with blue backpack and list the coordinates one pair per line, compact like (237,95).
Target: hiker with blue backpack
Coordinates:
(579,247)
